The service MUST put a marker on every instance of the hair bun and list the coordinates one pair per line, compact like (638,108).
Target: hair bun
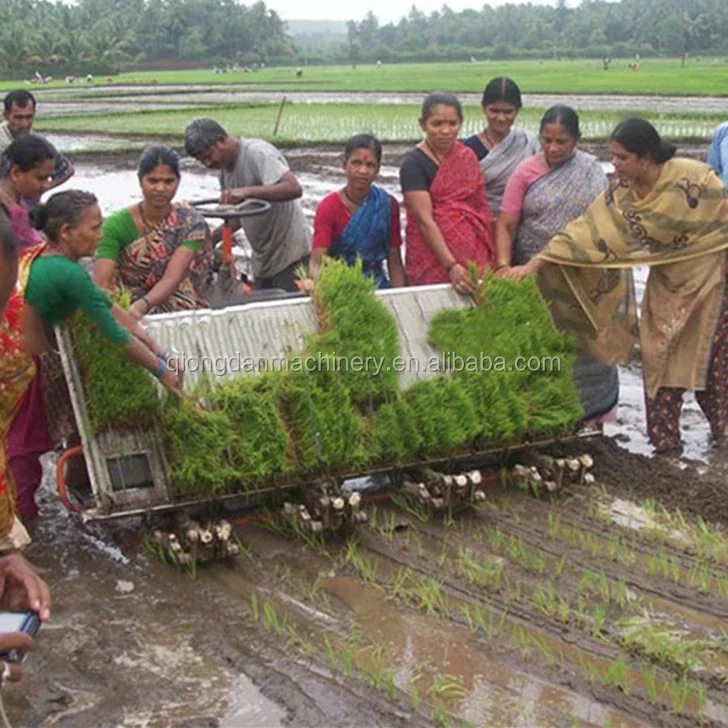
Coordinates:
(38,216)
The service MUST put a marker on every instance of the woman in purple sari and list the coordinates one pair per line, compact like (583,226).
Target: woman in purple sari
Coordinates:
(361,220)
(544,194)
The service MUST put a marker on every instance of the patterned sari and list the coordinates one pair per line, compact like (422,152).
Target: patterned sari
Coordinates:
(16,374)
(460,210)
(501,161)
(554,200)
(143,262)
(550,204)
(368,235)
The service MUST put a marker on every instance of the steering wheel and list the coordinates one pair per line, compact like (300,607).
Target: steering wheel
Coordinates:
(248,208)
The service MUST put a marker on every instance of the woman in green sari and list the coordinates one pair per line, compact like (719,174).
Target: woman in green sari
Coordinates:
(670,214)
(159,249)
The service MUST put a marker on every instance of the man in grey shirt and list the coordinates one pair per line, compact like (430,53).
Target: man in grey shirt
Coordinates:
(19,114)
(254,169)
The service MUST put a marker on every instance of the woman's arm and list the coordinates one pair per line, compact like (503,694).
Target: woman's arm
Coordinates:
(104,272)
(131,324)
(174,273)
(315,261)
(505,230)
(419,203)
(396,269)
(36,341)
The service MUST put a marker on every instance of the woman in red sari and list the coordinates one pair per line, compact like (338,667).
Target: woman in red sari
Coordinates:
(449,223)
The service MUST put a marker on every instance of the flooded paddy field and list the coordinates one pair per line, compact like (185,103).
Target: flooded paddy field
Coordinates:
(604,604)
(58,100)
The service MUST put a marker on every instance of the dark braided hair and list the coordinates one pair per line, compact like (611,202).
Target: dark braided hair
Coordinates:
(63,208)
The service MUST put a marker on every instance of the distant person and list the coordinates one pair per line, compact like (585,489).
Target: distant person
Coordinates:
(19,113)
(670,214)
(254,169)
(501,147)
(299,73)
(379,64)
(718,152)
(158,249)
(361,220)
(605,62)
(449,223)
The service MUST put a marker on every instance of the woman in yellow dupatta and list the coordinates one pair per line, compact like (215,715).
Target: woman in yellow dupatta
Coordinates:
(670,214)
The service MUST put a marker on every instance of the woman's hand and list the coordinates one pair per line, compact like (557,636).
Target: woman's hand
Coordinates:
(517,273)
(13,641)
(501,271)
(21,588)
(138,310)
(171,381)
(306,285)
(461,280)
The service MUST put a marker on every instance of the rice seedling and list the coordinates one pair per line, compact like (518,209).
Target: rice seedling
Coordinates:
(554,525)
(377,667)
(544,598)
(650,680)
(495,539)
(390,685)
(254,608)
(399,584)
(600,614)
(485,574)
(362,564)
(414,694)
(428,595)
(519,638)
(679,690)
(330,654)
(313,591)
(524,556)
(560,566)
(282,572)
(448,687)
(410,506)
(544,649)
(270,618)
(618,674)
(666,646)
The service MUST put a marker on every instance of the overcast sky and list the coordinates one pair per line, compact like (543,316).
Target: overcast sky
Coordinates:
(385,10)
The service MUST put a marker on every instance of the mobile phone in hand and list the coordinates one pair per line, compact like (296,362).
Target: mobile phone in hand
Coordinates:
(26,622)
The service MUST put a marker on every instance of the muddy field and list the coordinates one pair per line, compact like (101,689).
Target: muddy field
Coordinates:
(603,604)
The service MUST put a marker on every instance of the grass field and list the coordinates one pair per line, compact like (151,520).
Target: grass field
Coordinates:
(321,123)
(704,76)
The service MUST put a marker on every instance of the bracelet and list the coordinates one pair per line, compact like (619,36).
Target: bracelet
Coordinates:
(502,265)
(149,305)
(160,369)
(166,355)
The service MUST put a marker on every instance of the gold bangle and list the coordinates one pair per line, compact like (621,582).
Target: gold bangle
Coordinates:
(502,265)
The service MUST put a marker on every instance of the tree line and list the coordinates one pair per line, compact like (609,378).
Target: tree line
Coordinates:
(594,29)
(101,36)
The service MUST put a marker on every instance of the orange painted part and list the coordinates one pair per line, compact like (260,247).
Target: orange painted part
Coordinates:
(61,481)
(227,243)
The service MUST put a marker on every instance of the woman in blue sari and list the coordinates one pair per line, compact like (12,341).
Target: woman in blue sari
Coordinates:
(361,220)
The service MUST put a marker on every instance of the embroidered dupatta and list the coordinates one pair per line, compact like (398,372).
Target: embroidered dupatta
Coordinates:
(680,229)
(368,235)
(460,210)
